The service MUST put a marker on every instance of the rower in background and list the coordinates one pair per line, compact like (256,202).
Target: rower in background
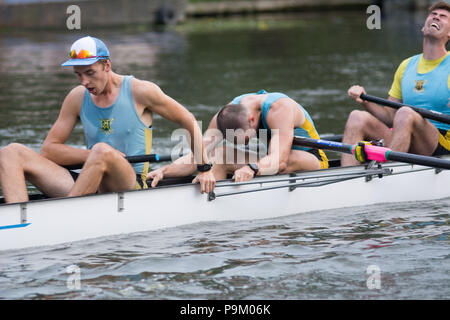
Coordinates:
(421,81)
(117,113)
(273,114)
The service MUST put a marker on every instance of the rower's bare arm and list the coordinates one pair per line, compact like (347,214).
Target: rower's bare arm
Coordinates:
(384,114)
(281,122)
(182,167)
(53,147)
(211,138)
(155,100)
(185,165)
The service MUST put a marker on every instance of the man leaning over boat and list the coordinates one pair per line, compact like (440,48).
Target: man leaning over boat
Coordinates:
(273,114)
(117,114)
(421,81)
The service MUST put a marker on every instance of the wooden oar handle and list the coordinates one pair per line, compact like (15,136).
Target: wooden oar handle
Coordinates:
(429,114)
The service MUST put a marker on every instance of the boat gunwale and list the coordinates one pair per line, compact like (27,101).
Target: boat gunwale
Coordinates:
(172,182)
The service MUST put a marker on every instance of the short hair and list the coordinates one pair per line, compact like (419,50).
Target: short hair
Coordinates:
(103,62)
(439,5)
(232,116)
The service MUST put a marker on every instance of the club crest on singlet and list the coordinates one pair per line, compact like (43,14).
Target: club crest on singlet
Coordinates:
(106,125)
(419,85)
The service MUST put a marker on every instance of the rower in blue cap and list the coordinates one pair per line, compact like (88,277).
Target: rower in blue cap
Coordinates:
(117,115)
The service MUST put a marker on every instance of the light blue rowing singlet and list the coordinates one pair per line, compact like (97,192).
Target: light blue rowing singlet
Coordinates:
(306,130)
(117,125)
(427,90)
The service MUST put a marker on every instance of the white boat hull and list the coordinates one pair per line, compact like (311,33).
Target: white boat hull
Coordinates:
(63,220)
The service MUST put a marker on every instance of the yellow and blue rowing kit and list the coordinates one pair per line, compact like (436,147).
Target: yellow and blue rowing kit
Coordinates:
(426,84)
(119,126)
(307,129)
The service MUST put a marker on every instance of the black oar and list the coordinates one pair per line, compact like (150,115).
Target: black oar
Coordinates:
(332,137)
(380,154)
(429,114)
(154,157)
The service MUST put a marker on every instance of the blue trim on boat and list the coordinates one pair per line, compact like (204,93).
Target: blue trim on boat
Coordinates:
(12,226)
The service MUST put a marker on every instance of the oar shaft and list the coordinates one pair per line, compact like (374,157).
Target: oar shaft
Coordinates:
(323,144)
(429,114)
(418,159)
(154,157)
(143,158)
(380,154)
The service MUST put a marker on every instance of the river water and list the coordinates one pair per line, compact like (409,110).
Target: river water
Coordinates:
(395,251)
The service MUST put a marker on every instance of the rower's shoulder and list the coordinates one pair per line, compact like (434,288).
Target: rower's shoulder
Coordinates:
(144,89)
(401,68)
(75,96)
(283,112)
(77,91)
(281,104)
(143,85)
(405,61)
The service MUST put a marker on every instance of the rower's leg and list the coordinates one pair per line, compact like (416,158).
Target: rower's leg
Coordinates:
(361,125)
(412,133)
(300,160)
(105,169)
(19,163)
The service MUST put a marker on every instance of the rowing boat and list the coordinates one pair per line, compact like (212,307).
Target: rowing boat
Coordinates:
(45,222)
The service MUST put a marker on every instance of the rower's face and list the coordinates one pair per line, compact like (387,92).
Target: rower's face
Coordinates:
(93,77)
(437,24)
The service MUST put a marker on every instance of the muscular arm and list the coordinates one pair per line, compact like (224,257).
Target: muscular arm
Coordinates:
(281,122)
(155,100)
(384,114)
(53,147)
(185,165)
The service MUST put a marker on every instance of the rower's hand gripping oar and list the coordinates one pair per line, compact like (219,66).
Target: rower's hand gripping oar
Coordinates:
(372,152)
(429,114)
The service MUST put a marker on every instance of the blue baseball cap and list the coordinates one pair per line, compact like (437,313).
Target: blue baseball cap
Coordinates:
(86,51)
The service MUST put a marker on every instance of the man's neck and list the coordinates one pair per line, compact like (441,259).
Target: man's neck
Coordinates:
(433,49)
(114,81)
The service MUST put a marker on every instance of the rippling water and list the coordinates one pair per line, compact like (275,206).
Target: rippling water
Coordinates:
(314,58)
(318,255)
